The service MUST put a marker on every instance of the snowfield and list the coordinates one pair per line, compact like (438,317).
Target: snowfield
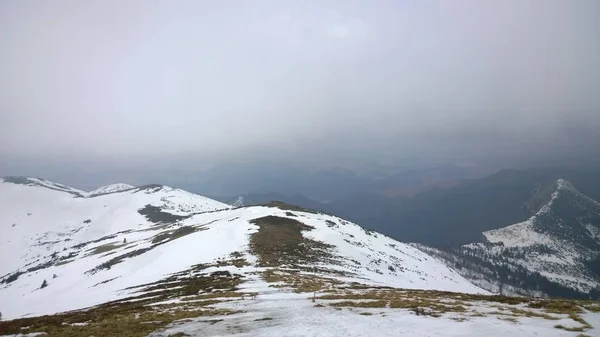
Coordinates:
(275,313)
(171,251)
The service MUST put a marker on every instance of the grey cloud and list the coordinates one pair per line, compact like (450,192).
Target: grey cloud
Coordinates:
(326,80)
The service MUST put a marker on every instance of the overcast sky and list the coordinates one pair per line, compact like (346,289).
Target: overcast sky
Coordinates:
(218,80)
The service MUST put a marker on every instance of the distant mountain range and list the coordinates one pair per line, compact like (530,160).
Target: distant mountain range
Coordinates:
(458,214)
(328,186)
(234,180)
(409,183)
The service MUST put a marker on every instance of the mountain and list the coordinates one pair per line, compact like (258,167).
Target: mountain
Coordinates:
(98,249)
(43,183)
(321,185)
(158,261)
(555,252)
(40,217)
(458,215)
(112,188)
(412,182)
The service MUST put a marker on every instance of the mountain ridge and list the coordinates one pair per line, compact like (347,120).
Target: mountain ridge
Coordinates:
(106,189)
(112,188)
(557,246)
(97,250)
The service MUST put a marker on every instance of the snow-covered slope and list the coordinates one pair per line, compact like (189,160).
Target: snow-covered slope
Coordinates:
(94,250)
(554,252)
(39,219)
(28,181)
(112,188)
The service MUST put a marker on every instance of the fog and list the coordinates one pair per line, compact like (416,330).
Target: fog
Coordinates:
(197,83)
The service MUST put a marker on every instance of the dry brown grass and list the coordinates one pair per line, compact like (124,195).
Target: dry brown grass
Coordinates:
(141,313)
(396,300)
(280,241)
(300,283)
(436,303)
(529,313)
(355,304)
(558,306)
(580,320)
(109,321)
(171,235)
(105,248)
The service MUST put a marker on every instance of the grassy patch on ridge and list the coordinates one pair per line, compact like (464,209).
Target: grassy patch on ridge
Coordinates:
(190,293)
(279,241)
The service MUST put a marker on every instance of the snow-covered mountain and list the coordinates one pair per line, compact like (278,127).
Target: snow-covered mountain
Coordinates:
(157,261)
(97,249)
(112,188)
(555,252)
(29,181)
(38,218)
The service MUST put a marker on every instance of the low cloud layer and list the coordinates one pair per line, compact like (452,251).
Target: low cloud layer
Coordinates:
(320,81)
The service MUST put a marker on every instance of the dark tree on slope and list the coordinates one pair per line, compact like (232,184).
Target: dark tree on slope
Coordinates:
(44,284)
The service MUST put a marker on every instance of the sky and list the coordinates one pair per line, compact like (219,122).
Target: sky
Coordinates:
(322,82)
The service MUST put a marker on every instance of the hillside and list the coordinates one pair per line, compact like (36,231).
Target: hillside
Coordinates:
(39,219)
(158,261)
(112,188)
(555,252)
(100,246)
